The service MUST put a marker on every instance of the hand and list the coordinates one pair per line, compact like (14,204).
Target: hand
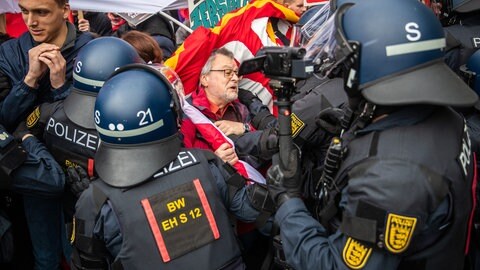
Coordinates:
(230,127)
(83,25)
(78,179)
(330,120)
(284,183)
(57,65)
(36,67)
(268,143)
(246,97)
(227,153)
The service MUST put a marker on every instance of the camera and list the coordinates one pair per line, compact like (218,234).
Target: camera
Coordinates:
(279,62)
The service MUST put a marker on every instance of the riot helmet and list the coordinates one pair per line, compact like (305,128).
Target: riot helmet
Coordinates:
(95,62)
(401,66)
(471,72)
(137,116)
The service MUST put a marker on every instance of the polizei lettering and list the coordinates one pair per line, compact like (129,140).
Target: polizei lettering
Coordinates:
(466,151)
(72,134)
(183,160)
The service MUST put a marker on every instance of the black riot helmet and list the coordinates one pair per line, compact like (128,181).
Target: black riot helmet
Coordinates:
(95,62)
(137,116)
(401,66)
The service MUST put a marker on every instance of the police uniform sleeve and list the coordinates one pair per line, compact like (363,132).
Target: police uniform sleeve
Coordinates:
(107,229)
(376,189)
(40,174)
(307,244)
(240,205)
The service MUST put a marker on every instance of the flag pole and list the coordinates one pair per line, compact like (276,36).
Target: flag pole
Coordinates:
(175,21)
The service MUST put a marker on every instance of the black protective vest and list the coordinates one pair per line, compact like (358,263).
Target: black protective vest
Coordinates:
(69,143)
(444,155)
(174,221)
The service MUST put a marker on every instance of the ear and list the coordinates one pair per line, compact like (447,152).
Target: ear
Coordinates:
(204,80)
(66,11)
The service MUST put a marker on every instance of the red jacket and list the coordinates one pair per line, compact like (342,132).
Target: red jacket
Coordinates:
(235,111)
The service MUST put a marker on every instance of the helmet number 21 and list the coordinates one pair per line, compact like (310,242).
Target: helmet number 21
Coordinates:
(145,117)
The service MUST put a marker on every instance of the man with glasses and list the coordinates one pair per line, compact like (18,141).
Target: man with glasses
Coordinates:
(217,98)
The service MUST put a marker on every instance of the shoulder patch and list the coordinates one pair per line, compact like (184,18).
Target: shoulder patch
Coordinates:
(297,125)
(32,119)
(355,254)
(399,231)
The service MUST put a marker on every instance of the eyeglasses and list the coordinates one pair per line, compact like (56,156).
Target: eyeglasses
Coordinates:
(228,72)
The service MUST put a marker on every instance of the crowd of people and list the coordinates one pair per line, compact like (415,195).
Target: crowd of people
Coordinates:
(119,152)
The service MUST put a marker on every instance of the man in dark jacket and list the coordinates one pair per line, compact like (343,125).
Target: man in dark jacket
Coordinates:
(39,63)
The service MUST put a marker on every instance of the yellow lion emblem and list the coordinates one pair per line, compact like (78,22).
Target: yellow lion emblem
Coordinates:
(399,232)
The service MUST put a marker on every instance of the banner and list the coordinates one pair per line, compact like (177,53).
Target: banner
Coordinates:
(243,31)
(126,6)
(135,18)
(9,6)
(207,13)
(308,3)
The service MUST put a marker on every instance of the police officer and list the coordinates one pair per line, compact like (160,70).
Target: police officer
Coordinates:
(68,132)
(396,200)
(470,72)
(462,31)
(67,126)
(154,205)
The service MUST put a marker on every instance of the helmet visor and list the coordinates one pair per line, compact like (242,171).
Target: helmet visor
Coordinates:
(309,29)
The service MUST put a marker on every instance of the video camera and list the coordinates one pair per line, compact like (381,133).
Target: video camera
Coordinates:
(283,65)
(279,62)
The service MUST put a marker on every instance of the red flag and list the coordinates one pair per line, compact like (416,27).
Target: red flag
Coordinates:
(243,31)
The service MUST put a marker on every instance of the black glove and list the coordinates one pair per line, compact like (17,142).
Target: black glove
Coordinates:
(284,183)
(268,143)
(246,97)
(77,179)
(21,131)
(330,120)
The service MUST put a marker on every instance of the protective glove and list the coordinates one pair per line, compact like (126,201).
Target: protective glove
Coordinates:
(284,183)
(78,179)
(21,131)
(268,143)
(330,120)
(246,97)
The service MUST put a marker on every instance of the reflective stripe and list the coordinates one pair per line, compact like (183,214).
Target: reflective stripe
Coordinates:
(413,47)
(86,81)
(129,133)
(206,207)
(152,221)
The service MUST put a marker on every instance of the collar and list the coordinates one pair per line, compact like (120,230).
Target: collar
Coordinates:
(71,37)
(200,100)
(407,116)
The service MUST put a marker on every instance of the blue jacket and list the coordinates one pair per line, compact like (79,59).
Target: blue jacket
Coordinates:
(14,64)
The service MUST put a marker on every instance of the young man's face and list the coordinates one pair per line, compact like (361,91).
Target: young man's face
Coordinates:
(221,87)
(44,19)
(297,7)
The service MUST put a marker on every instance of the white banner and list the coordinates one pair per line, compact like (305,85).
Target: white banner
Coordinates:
(126,6)
(9,6)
